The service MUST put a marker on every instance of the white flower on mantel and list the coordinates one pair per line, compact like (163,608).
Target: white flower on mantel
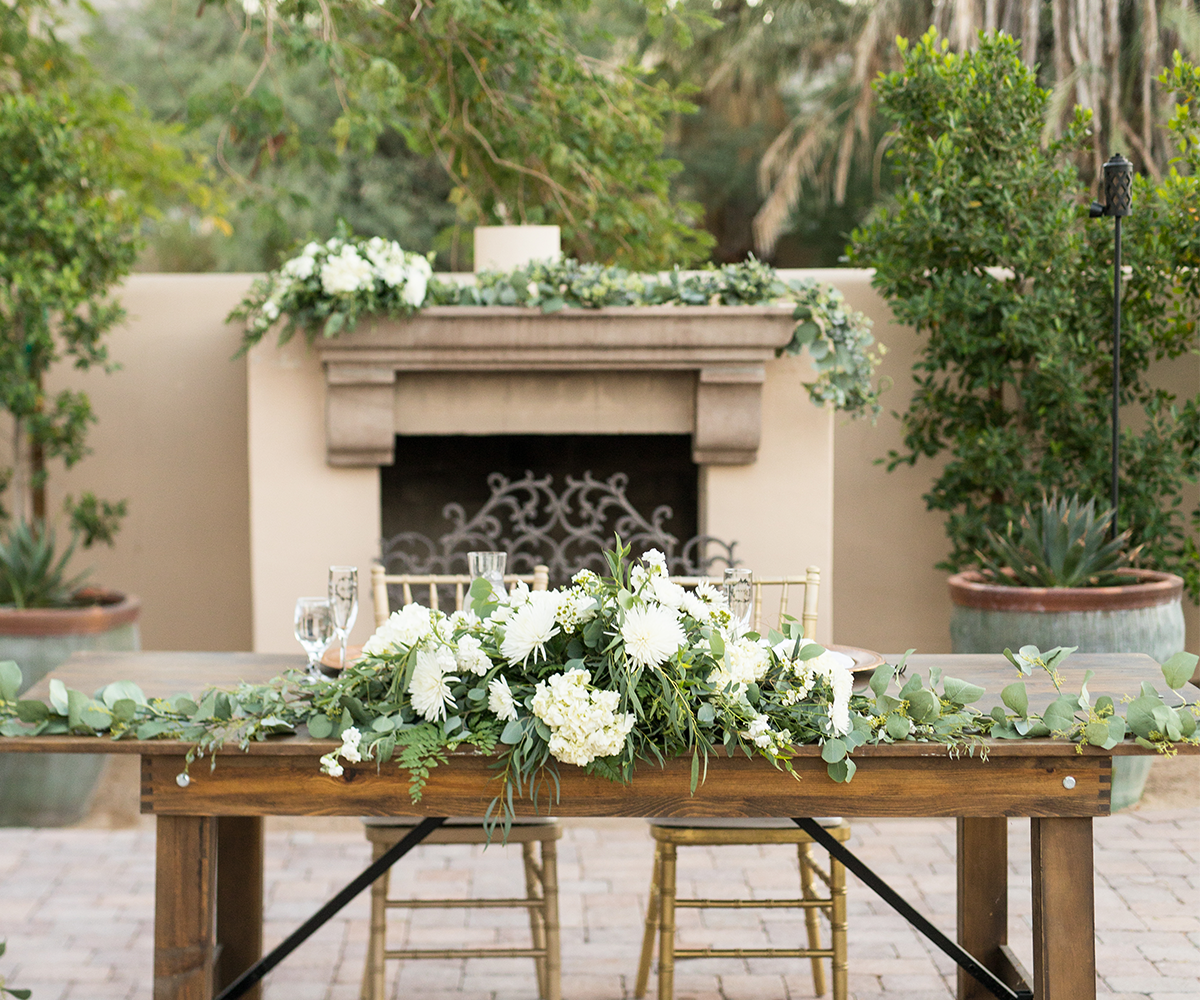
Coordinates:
(652,635)
(500,700)
(346,272)
(429,689)
(530,627)
(417,281)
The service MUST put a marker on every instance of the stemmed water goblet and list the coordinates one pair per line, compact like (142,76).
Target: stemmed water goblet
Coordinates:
(490,566)
(314,630)
(343,604)
(739,592)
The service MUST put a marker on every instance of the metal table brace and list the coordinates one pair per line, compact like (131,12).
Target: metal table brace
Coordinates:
(982,975)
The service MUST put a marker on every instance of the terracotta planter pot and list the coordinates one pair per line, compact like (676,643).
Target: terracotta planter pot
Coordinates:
(57,789)
(1144,616)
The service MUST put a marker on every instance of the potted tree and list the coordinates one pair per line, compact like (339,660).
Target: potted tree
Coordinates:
(79,167)
(986,250)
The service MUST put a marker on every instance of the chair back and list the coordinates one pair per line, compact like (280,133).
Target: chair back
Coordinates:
(787,595)
(539,579)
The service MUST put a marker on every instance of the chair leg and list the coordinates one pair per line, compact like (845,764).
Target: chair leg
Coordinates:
(373,984)
(537,922)
(666,925)
(550,920)
(643,974)
(812,920)
(837,921)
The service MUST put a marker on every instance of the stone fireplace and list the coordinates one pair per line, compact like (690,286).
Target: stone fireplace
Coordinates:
(636,382)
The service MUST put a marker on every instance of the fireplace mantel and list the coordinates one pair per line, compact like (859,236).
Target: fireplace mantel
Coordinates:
(726,346)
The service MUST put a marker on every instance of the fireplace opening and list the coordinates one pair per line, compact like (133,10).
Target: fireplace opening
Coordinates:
(555,499)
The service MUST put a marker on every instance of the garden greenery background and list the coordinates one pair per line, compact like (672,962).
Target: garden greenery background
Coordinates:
(678,132)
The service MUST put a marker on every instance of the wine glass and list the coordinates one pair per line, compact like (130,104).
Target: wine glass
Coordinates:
(343,603)
(314,630)
(739,592)
(490,566)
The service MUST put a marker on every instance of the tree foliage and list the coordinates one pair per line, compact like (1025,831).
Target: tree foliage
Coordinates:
(79,168)
(986,251)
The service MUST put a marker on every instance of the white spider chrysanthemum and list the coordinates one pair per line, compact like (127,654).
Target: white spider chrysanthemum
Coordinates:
(405,627)
(652,635)
(470,656)
(531,626)
(429,689)
(500,700)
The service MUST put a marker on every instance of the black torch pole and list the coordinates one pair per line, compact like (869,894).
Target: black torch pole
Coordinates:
(1116,366)
(1118,194)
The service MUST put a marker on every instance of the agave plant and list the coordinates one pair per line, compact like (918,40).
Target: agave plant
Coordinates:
(1060,543)
(32,572)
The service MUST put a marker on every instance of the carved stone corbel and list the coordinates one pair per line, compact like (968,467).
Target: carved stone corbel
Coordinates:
(359,427)
(728,415)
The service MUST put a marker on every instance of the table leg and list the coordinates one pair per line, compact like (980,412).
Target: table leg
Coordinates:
(982,864)
(184,894)
(1064,911)
(239,898)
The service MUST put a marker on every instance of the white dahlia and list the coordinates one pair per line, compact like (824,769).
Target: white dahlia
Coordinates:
(652,635)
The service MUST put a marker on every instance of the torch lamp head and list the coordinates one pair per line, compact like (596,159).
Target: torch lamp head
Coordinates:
(1118,186)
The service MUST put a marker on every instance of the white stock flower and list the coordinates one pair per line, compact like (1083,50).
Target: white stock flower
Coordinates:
(346,272)
(330,765)
(405,627)
(428,690)
(655,561)
(583,721)
(531,626)
(500,700)
(652,635)
(471,657)
(350,741)
(574,609)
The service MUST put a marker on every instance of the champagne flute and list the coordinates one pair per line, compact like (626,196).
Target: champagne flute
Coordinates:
(739,592)
(343,603)
(314,630)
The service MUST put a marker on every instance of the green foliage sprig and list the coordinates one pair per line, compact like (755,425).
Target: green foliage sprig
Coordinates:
(1059,543)
(838,339)
(5,988)
(609,674)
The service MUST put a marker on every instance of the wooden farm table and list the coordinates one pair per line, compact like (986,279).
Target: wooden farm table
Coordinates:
(209,832)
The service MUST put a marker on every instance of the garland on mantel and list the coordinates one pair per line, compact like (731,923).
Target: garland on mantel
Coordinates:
(609,674)
(327,287)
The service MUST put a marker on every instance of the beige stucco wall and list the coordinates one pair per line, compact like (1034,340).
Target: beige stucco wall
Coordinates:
(212,547)
(171,438)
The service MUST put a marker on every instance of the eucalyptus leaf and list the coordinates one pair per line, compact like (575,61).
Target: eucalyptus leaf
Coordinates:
(898,726)
(841,770)
(833,750)
(1016,697)
(1177,671)
(320,726)
(10,680)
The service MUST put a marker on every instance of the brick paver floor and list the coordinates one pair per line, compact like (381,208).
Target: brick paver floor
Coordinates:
(76,910)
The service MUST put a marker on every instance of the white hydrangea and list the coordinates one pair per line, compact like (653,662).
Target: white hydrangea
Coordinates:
(583,722)
(501,702)
(429,689)
(388,259)
(531,626)
(346,272)
(405,627)
(652,635)
(471,657)
(302,267)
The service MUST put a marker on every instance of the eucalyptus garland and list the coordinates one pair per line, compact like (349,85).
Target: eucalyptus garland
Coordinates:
(607,674)
(328,287)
